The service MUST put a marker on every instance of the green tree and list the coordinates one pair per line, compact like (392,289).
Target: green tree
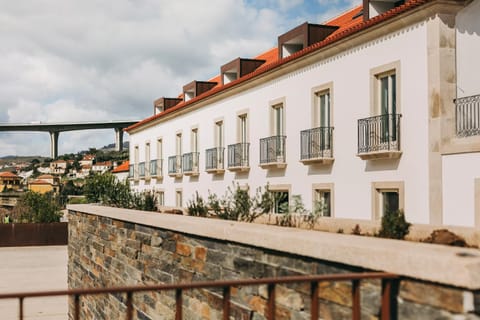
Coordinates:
(38,208)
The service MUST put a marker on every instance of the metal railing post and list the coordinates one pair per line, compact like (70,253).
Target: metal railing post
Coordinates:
(356,308)
(271,301)
(178,304)
(20,308)
(314,300)
(226,303)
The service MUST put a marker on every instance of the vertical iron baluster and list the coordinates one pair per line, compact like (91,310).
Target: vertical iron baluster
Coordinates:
(386,299)
(271,302)
(314,300)
(129,306)
(20,308)
(178,304)
(226,303)
(76,314)
(356,300)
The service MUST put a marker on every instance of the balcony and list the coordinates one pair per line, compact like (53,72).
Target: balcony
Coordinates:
(215,160)
(190,164)
(156,168)
(316,146)
(175,166)
(272,152)
(379,137)
(467,116)
(141,170)
(238,157)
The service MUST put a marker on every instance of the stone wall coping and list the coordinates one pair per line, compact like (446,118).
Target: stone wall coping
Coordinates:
(459,267)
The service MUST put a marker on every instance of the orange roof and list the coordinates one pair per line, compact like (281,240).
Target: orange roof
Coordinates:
(124,167)
(45,176)
(347,27)
(8,174)
(40,181)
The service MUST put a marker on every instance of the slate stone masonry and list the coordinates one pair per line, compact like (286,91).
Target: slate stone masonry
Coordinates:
(108,252)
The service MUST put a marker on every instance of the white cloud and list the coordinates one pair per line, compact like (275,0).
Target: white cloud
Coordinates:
(109,59)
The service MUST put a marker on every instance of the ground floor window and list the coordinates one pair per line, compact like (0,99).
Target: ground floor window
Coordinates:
(280,201)
(160,198)
(178,198)
(387,197)
(322,198)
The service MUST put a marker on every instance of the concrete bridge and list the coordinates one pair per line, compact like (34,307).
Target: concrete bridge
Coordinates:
(55,128)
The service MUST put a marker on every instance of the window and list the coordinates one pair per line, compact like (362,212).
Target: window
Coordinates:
(147,159)
(280,202)
(281,197)
(243,128)
(178,198)
(219,134)
(159,149)
(322,109)
(178,144)
(160,198)
(278,125)
(194,140)
(387,197)
(136,159)
(323,199)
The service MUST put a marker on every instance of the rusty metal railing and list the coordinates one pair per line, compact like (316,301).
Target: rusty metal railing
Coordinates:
(388,296)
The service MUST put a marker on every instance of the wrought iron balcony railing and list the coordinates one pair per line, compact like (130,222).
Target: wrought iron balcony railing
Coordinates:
(156,168)
(141,169)
(272,151)
(153,168)
(467,116)
(190,163)
(379,137)
(175,165)
(316,144)
(214,160)
(238,156)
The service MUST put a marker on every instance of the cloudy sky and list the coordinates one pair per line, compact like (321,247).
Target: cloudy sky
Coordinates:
(98,60)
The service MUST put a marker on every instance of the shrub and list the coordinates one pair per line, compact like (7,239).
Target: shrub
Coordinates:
(37,208)
(197,206)
(394,225)
(356,230)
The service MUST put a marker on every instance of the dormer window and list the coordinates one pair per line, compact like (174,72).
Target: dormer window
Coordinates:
(237,68)
(301,37)
(372,8)
(163,104)
(196,88)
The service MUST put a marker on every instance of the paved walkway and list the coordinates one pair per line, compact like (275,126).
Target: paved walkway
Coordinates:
(34,269)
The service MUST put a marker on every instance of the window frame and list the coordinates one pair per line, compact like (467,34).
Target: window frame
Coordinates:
(316,92)
(376,74)
(323,187)
(274,105)
(378,188)
(281,188)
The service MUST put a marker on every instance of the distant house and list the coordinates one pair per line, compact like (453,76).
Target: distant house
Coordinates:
(87,160)
(101,167)
(45,183)
(58,167)
(9,181)
(122,171)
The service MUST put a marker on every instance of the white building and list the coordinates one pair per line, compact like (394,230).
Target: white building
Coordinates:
(359,113)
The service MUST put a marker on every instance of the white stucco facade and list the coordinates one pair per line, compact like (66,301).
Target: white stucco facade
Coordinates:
(350,75)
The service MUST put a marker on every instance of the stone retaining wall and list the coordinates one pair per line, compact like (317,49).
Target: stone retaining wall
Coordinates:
(109,247)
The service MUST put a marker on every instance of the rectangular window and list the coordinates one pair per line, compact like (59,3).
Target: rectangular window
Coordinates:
(322,109)
(178,198)
(388,94)
(278,127)
(388,197)
(242,123)
(322,203)
(178,144)
(280,201)
(136,160)
(160,198)
(159,149)
(194,140)
(147,159)
(219,134)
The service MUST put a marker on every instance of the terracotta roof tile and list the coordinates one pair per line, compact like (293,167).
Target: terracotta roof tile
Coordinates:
(124,167)
(8,174)
(348,26)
